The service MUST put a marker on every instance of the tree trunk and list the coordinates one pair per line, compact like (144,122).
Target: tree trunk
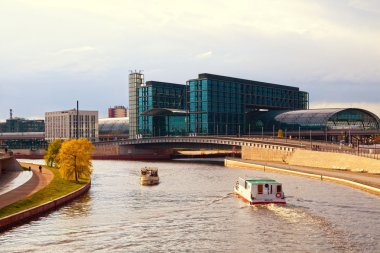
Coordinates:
(75,169)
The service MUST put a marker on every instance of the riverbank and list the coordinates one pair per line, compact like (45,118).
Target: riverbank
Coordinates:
(39,197)
(363,181)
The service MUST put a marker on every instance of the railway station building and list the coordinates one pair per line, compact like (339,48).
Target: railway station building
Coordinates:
(208,105)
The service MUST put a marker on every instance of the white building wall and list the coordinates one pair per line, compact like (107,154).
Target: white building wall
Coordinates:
(63,125)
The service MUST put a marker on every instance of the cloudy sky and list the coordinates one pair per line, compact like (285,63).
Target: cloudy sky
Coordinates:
(53,53)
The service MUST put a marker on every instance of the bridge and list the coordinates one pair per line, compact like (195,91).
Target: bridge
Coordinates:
(232,142)
(208,141)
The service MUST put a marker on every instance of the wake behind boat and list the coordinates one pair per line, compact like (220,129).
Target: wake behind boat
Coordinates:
(260,191)
(149,176)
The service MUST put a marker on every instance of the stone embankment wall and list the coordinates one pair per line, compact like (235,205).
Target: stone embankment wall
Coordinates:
(267,153)
(335,161)
(8,163)
(128,150)
(308,158)
(23,216)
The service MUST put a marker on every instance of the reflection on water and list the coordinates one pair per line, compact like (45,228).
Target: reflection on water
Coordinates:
(193,209)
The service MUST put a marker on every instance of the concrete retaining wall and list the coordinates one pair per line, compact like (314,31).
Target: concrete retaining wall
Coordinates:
(21,217)
(115,150)
(309,158)
(8,163)
(330,160)
(266,153)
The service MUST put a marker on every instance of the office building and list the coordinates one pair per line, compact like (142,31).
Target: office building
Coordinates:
(19,125)
(64,125)
(208,105)
(222,105)
(136,80)
(118,111)
(19,133)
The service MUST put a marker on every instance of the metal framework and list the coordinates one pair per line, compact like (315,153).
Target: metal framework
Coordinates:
(331,119)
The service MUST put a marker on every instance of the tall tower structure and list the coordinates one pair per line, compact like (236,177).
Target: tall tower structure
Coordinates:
(136,80)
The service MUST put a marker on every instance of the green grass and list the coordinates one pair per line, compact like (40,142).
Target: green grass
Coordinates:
(58,187)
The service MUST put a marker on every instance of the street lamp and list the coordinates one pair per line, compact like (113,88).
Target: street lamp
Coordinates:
(249,130)
(311,144)
(273,132)
(299,134)
(262,133)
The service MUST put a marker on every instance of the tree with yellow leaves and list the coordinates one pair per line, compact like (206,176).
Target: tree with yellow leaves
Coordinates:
(74,159)
(52,153)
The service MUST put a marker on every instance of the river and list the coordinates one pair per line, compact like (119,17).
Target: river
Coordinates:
(193,209)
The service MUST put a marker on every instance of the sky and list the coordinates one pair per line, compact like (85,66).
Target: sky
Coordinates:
(53,53)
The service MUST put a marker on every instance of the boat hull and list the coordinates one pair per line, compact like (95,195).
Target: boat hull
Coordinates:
(149,180)
(260,202)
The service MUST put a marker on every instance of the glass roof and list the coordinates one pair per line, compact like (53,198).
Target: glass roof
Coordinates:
(337,118)
(114,125)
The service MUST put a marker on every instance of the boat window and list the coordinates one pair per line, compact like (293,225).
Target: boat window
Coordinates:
(260,189)
(271,190)
(279,188)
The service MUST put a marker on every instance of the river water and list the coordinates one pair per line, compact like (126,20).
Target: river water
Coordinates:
(193,209)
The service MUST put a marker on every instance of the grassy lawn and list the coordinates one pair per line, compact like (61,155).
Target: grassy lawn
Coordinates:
(58,187)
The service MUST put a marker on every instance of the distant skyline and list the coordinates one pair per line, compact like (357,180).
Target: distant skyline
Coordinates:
(54,53)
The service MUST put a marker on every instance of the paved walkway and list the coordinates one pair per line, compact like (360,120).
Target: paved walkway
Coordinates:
(363,178)
(36,183)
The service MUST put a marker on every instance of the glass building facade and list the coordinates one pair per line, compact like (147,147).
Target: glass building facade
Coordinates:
(161,109)
(219,104)
(18,125)
(208,105)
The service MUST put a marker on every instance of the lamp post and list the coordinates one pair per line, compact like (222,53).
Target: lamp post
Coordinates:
(349,136)
(358,144)
(249,130)
(262,133)
(299,134)
(273,132)
(311,144)
(77,133)
(217,130)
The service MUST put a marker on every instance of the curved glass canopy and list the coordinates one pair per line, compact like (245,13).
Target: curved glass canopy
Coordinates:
(114,126)
(351,118)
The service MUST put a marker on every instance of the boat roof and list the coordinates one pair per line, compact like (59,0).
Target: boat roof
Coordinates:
(149,168)
(261,181)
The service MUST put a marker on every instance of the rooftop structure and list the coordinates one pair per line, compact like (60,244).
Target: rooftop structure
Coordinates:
(113,128)
(118,111)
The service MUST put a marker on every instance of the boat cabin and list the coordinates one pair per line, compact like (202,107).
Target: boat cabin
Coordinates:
(147,171)
(260,190)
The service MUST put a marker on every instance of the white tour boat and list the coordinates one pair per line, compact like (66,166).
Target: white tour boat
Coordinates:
(260,191)
(149,176)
